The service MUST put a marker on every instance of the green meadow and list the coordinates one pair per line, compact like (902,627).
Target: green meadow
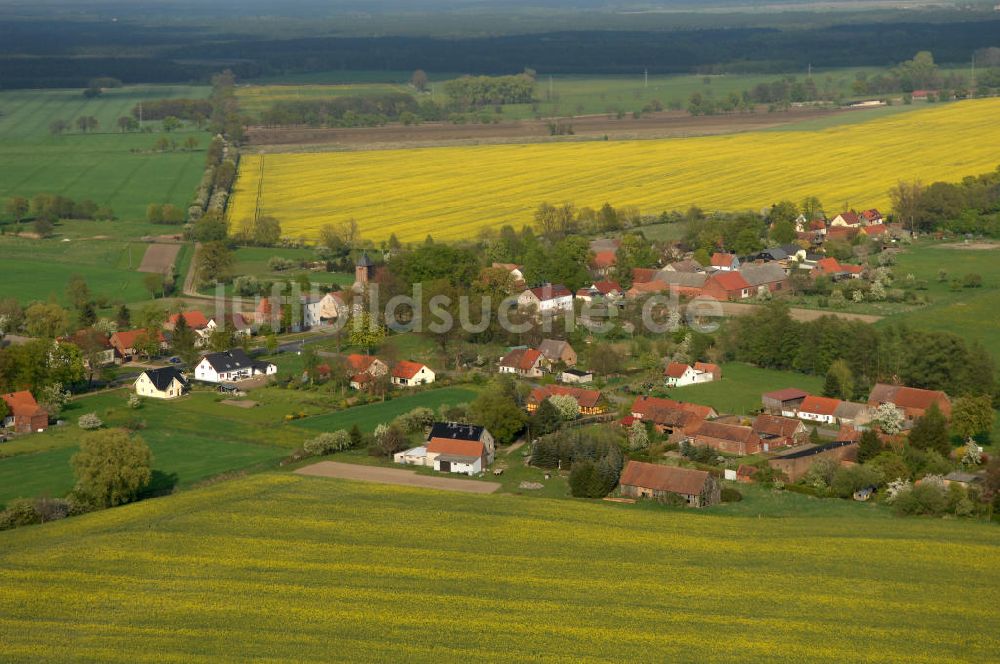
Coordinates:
(106,166)
(741,386)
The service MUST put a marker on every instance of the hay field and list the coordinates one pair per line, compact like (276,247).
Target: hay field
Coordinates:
(453,192)
(280,568)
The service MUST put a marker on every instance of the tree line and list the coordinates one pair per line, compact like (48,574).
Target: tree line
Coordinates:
(347,111)
(475,91)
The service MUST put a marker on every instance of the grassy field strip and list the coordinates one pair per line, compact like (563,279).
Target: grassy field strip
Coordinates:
(275,565)
(453,192)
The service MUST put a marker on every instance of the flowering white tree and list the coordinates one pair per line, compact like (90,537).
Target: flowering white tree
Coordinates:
(877,291)
(888,418)
(566,405)
(638,437)
(89,422)
(895,488)
(973,455)
(858,296)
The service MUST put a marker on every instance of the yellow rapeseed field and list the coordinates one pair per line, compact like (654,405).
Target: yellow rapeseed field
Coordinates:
(284,568)
(452,192)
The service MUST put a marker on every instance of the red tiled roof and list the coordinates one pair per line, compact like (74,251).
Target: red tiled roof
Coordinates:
(360,363)
(723,431)
(522,359)
(194,319)
(642,275)
(605,287)
(550,292)
(817,225)
(723,260)
(871,214)
(876,229)
(828,265)
(467,448)
(127,338)
(850,217)
(773,425)
(910,399)
(819,405)
(730,281)
(264,306)
(851,269)
(707,367)
(586,398)
(675,370)
(664,478)
(22,404)
(605,259)
(406,369)
(669,412)
(786,394)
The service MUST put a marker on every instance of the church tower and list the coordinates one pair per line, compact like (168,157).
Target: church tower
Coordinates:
(364,270)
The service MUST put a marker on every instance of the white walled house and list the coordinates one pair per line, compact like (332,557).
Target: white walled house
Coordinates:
(679,375)
(818,409)
(549,298)
(164,383)
(318,310)
(408,374)
(231,366)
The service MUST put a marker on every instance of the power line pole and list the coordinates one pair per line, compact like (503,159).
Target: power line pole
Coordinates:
(972,83)
(140,116)
(645,77)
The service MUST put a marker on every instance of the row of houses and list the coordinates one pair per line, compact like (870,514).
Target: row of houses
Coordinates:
(912,403)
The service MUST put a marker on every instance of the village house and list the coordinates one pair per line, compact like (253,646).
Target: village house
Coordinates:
(408,374)
(674,418)
(231,366)
(557,353)
(678,374)
(320,310)
(163,383)
(24,414)
(524,362)
(728,286)
(364,369)
(848,219)
(658,482)
(126,342)
(603,262)
(912,402)
(871,217)
(195,320)
(728,438)
(831,267)
(687,265)
(576,376)
(818,409)
(784,402)
(843,233)
(688,284)
(452,447)
(609,291)
(550,298)
(853,414)
(765,278)
(590,401)
(95,345)
(725,262)
(794,464)
(775,431)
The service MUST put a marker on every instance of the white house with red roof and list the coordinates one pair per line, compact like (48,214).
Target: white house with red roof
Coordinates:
(849,219)
(871,216)
(409,374)
(23,413)
(725,262)
(452,447)
(547,298)
(818,409)
(516,271)
(678,374)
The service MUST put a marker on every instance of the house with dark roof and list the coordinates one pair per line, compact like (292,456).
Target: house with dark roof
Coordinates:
(524,362)
(795,463)
(24,414)
(576,376)
(658,482)
(231,366)
(765,278)
(783,402)
(162,383)
(452,447)
(407,374)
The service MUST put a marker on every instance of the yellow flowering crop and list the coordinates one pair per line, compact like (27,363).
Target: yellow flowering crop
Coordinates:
(453,192)
(284,568)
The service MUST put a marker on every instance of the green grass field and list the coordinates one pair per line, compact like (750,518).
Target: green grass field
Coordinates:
(280,567)
(368,417)
(253,261)
(39,269)
(106,166)
(741,386)
(972,313)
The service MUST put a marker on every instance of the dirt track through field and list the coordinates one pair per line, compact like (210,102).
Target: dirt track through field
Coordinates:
(159,258)
(799,314)
(591,127)
(349,471)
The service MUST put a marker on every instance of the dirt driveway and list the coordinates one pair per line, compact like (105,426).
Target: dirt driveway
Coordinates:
(350,471)
(799,314)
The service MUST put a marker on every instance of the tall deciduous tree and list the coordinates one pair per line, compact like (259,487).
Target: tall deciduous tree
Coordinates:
(111,467)
(972,416)
(931,432)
